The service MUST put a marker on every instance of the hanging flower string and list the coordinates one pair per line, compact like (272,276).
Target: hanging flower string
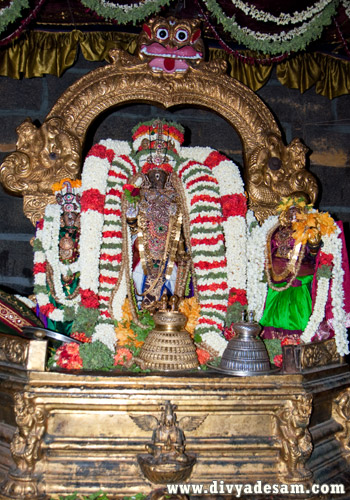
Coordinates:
(288,41)
(283,18)
(241,57)
(124,13)
(6,17)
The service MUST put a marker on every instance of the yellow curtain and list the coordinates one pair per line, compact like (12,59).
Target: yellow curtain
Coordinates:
(254,76)
(40,53)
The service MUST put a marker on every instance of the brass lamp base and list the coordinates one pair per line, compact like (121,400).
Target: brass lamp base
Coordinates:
(168,346)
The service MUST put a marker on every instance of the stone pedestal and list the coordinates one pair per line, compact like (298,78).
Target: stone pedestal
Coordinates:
(66,432)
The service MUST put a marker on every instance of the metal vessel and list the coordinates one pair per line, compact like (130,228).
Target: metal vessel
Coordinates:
(168,346)
(245,354)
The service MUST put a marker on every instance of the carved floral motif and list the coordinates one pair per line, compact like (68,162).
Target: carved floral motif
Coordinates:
(319,354)
(14,350)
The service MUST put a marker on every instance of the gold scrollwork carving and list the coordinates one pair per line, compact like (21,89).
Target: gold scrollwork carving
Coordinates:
(319,354)
(14,350)
(341,413)
(43,156)
(31,425)
(47,154)
(292,423)
(26,448)
(276,170)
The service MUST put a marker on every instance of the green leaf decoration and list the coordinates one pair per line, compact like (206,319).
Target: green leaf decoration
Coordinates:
(197,338)
(293,40)
(273,347)
(10,13)
(324,272)
(85,320)
(96,356)
(125,13)
(234,313)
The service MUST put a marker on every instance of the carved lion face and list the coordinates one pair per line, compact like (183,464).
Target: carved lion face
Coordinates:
(171,44)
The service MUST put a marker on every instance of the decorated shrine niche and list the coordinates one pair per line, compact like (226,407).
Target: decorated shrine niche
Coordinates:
(147,254)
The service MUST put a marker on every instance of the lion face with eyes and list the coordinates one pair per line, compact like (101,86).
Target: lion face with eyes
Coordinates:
(171,45)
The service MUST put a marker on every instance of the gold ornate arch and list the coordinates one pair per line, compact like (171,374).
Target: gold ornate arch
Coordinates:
(51,152)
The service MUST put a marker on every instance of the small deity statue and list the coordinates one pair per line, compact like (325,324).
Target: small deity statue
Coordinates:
(289,267)
(168,440)
(304,260)
(160,258)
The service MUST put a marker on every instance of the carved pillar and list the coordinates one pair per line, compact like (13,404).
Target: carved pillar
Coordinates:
(341,413)
(25,447)
(291,426)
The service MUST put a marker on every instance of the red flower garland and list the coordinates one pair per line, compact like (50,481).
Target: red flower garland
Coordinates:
(47,309)
(167,130)
(214,159)
(122,357)
(68,357)
(203,356)
(39,267)
(278,360)
(101,152)
(326,259)
(233,205)
(89,299)
(92,199)
(150,166)
(237,295)
(82,337)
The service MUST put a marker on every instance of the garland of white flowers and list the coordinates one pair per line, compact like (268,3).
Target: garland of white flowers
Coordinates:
(256,242)
(230,182)
(47,254)
(293,40)
(125,13)
(109,269)
(233,271)
(283,18)
(214,272)
(332,245)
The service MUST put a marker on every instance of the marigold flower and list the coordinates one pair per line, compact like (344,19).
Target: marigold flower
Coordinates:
(191,309)
(203,356)
(122,357)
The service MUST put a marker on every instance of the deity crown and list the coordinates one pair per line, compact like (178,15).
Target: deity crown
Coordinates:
(157,135)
